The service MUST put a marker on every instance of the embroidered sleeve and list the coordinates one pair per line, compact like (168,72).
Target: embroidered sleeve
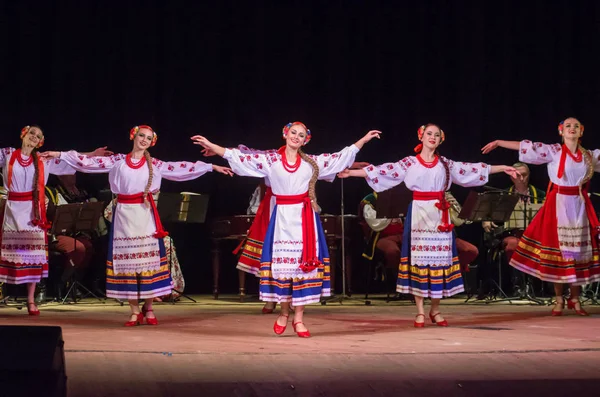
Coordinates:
(332,163)
(91,165)
(5,155)
(181,170)
(59,167)
(386,176)
(468,174)
(537,152)
(596,159)
(250,162)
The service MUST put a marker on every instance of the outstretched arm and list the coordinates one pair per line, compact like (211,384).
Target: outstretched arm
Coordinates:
(350,172)
(83,163)
(511,145)
(508,170)
(101,151)
(206,144)
(370,135)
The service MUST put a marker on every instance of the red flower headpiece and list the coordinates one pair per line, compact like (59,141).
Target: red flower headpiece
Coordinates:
(287,127)
(25,130)
(137,128)
(421,132)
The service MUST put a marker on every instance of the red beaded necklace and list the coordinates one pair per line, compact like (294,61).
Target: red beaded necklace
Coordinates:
(24,163)
(131,164)
(290,168)
(430,164)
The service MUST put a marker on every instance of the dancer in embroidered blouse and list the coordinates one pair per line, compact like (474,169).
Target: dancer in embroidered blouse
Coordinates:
(294,260)
(137,267)
(24,243)
(560,245)
(429,265)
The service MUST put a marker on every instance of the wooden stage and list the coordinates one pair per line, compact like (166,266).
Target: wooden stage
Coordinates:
(226,348)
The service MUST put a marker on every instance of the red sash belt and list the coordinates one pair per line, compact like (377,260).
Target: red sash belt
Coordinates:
(442,205)
(589,208)
(20,196)
(28,196)
(309,252)
(139,199)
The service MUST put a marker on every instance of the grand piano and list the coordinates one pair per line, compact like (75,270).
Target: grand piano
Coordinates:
(236,228)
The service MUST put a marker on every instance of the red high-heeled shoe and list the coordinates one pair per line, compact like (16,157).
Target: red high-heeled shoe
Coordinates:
(266,310)
(35,312)
(571,304)
(280,329)
(419,325)
(557,313)
(137,321)
(443,323)
(151,321)
(301,334)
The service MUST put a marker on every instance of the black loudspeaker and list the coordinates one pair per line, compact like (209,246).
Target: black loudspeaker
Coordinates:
(32,361)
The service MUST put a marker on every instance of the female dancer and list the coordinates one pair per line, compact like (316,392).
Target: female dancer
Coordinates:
(560,245)
(137,267)
(24,242)
(429,265)
(294,260)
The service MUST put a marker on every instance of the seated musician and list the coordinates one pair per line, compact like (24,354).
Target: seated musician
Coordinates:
(386,235)
(529,194)
(77,250)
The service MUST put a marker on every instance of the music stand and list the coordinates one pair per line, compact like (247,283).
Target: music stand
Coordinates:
(184,207)
(494,206)
(72,219)
(394,202)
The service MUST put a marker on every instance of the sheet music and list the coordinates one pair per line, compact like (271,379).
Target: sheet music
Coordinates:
(517,218)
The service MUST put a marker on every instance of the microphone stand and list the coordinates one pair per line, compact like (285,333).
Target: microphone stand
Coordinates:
(343,297)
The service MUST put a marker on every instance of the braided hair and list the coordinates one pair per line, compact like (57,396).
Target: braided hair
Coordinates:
(150,173)
(35,190)
(313,180)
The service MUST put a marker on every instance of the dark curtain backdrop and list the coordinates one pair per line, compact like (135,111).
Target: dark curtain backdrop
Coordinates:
(238,71)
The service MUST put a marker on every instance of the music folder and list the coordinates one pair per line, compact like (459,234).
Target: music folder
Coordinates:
(184,207)
(489,206)
(393,203)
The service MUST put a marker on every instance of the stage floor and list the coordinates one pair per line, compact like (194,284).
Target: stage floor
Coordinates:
(225,348)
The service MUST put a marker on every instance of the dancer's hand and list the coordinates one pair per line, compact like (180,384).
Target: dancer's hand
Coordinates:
(202,141)
(223,170)
(359,164)
(49,155)
(489,147)
(344,174)
(207,153)
(513,172)
(101,151)
(370,135)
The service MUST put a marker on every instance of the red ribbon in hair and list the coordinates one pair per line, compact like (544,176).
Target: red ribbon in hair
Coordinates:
(40,221)
(309,239)
(139,199)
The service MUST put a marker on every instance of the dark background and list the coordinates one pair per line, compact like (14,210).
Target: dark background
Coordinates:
(88,71)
